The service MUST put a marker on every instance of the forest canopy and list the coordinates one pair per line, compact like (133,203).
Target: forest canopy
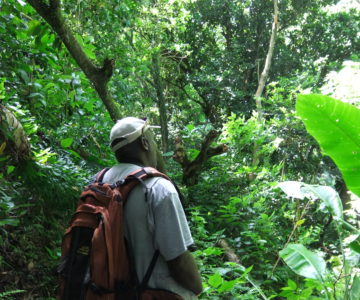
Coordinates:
(258,103)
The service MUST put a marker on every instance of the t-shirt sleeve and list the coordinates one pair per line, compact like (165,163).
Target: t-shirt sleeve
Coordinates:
(172,235)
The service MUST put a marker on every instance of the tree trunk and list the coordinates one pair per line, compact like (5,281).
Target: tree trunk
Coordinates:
(192,169)
(265,72)
(13,139)
(98,76)
(262,81)
(161,102)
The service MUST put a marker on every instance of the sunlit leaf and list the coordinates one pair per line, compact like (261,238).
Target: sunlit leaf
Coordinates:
(335,125)
(215,280)
(355,288)
(292,284)
(227,286)
(355,245)
(212,251)
(303,262)
(292,189)
(326,194)
(300,222)
(66,143)
(10,169)
(330,198)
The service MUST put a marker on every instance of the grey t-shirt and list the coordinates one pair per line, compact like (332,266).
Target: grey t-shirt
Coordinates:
(158,223)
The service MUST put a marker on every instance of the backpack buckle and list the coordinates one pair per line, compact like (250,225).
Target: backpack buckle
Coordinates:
(119,183)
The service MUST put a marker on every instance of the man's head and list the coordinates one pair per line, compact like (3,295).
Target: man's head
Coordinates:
(133,142)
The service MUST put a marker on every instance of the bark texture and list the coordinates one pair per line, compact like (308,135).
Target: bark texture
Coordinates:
(263,77)
(265,72)
(13,139)
(229,253)
(161,101)
(192,169)
(98,76)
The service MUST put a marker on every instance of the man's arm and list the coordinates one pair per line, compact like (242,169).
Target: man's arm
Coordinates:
(185,271)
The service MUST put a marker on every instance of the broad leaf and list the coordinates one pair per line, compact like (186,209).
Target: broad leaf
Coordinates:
(327,194)
(355,245)
(215,280)
(303,262)
(355,288)
(335,125)
(292,189)
(330,198)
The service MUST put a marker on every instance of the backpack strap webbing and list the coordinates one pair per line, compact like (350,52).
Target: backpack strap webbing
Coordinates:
(146,172)
(149,271)
(140,175)
(100,176)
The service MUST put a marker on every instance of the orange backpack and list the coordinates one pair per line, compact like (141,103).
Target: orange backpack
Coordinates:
(95,263)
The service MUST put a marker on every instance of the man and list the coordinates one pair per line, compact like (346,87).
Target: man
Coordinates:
(157,221)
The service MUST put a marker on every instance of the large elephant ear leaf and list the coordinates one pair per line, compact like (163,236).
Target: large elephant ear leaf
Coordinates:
(304,262)
(336,127)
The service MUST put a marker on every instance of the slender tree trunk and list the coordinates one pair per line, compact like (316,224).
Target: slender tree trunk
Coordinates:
(263,77)
(98,76)
(265,72)
(161,101)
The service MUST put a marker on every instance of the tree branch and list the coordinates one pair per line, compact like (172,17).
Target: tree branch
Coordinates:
(191,169)
(98,76)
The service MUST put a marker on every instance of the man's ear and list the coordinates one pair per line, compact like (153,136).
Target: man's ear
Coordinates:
(145,143)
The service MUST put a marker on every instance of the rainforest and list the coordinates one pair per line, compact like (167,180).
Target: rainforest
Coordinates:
(258,107)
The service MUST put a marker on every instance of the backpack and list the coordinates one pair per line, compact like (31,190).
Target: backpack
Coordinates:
(95,263)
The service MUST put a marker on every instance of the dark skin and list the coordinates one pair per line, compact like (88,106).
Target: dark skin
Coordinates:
(185,271)
(144,152)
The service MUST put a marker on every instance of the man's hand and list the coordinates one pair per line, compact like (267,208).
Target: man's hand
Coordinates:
(185,271)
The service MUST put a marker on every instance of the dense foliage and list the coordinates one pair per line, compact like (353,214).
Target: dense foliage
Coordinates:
(193,67)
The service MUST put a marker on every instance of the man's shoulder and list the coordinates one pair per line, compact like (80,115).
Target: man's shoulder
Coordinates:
(160,184)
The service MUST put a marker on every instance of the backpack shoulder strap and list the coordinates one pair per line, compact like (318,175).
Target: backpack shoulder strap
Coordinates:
(138,176)
(100,175)
(146,172)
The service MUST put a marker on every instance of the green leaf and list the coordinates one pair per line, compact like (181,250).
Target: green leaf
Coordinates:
(89,53)
(10,169)
(292,189)
(227,286)
(292,284)
(327,194)
(329,197)
(66,143)
(303,262)
(8,221)
(306,293)
(335,125)
(355,245)
(2,147)
(355,288)
(300,222)
(215,280)
(190,127)
(212,251)
(24,76)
